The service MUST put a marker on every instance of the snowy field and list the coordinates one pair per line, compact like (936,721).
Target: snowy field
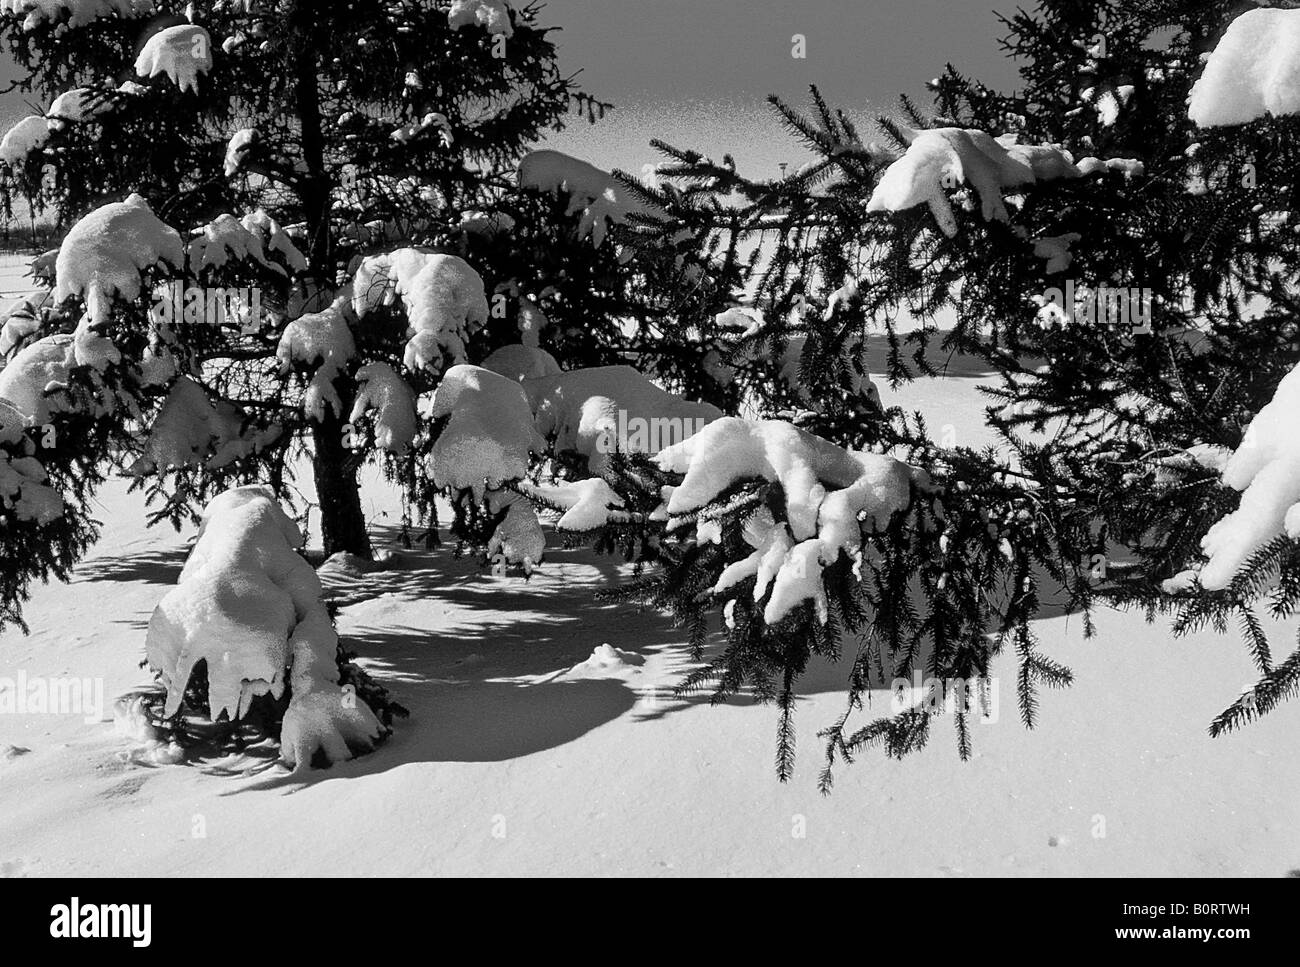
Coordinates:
(544,739)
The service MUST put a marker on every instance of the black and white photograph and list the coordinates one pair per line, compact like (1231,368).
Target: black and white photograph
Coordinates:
(650,439)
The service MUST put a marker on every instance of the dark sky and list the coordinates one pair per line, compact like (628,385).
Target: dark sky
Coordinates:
(695,72)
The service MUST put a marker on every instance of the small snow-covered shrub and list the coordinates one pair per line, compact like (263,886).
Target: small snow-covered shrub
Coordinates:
(247,613)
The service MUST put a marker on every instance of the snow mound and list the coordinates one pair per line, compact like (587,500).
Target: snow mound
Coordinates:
(492,15)
(106,252)
(1254,70)
(604,409)
(181,52)
(522,362)
(488,435)
(1047,161)
(597,194)
(78,12)
(193,429)
(249,607)
(942,158)
(606,661)
(1266,467)
(382,391)
(443,297)
(131,721)
(323,340)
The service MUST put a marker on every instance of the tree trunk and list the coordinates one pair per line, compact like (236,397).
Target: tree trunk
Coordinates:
(343,525)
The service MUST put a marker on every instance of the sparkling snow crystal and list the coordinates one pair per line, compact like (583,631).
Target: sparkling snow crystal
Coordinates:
(181,52)
(1267,468)
(1255,70)
(249,606)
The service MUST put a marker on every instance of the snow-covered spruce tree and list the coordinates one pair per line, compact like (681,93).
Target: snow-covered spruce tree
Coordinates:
(1196,242)
(247,612)
(1129,276)
(283,141)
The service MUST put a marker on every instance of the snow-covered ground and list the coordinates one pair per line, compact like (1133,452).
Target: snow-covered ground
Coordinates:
(544,739)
